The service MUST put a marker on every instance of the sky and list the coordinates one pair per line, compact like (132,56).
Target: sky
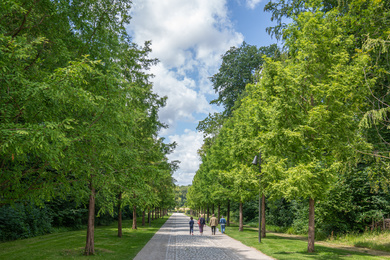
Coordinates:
(189,37)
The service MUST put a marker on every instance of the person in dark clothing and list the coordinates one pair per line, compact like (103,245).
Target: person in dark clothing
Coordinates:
(192,226)
(201,223)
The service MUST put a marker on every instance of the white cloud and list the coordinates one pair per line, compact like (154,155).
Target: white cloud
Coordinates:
(252,3)
(175,26)
(185,34)
(183,100)
(186,152)
(188,37)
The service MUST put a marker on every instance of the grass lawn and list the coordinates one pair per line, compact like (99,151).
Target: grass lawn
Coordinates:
(287,248)
(370,239)
(70,245)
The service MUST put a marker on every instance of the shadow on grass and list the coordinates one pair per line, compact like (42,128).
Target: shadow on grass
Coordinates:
(321,252)
(284,248)
(381,247)
(79,252)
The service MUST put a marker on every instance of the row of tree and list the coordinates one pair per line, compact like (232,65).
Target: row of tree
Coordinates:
(181,196)
(78,117)
(314,109)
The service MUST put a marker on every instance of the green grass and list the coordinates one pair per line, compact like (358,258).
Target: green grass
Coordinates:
(70,245)
(288,248)
(371,239)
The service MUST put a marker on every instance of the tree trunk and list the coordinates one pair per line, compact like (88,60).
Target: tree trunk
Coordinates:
(241,224)
(213,208)
(263,216)
(149,216)
(119,215)
(310,246)
(219,212)
(228,214)
(208,213)
(90,245)
(134,217)
(143,218)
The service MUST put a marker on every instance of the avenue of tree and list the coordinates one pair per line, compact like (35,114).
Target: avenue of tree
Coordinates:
(315,109)
(78,118)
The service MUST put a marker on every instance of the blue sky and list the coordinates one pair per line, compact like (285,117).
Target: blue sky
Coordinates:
(189,37)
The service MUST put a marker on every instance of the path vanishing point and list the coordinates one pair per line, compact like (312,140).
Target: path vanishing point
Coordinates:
(174,242)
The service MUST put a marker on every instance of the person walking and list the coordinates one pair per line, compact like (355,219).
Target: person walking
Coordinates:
(201,223)
(192,226)
(222,222)
(213,224)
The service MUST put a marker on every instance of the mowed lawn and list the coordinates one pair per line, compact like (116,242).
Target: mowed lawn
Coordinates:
(70,245)
(288,248)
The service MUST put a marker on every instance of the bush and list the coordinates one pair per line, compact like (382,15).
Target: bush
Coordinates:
(280,213)
(20,221)
(66,213)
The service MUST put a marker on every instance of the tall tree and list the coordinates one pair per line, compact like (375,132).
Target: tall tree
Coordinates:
(309,103)
(77,108)
(238,68)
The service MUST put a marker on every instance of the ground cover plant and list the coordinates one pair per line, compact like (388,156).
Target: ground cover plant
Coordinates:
(70,245)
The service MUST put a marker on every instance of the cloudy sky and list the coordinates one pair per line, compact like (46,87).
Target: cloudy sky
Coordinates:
(189,37)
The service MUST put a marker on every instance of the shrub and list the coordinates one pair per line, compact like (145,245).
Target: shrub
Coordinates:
(20,221)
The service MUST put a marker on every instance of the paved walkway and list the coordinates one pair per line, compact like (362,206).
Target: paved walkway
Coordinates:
(173,242)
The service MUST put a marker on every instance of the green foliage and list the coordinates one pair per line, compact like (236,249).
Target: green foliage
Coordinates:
(181,195)
(250,210)
(67,213)
(77,111)
(318,113)
(352,204)
(280,213)
(238,68)
(23,221)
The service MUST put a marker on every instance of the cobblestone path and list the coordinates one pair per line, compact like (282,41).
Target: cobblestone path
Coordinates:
(174,242)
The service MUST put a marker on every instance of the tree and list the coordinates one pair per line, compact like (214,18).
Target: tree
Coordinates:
(77,112)
(237,69)
(308,105)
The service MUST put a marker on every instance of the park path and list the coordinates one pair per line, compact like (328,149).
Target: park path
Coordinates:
(173,242)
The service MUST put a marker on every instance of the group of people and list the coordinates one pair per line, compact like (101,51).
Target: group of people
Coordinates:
(213,224)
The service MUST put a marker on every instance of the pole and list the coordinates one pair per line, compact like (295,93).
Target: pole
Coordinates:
(260,197)
(257,160)
(260,216)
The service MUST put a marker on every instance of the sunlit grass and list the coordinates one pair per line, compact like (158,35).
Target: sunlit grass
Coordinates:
(288,248)
(373,240)
(70,245)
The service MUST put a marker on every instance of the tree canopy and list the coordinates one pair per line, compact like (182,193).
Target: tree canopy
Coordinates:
(306,108)
(77,111)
